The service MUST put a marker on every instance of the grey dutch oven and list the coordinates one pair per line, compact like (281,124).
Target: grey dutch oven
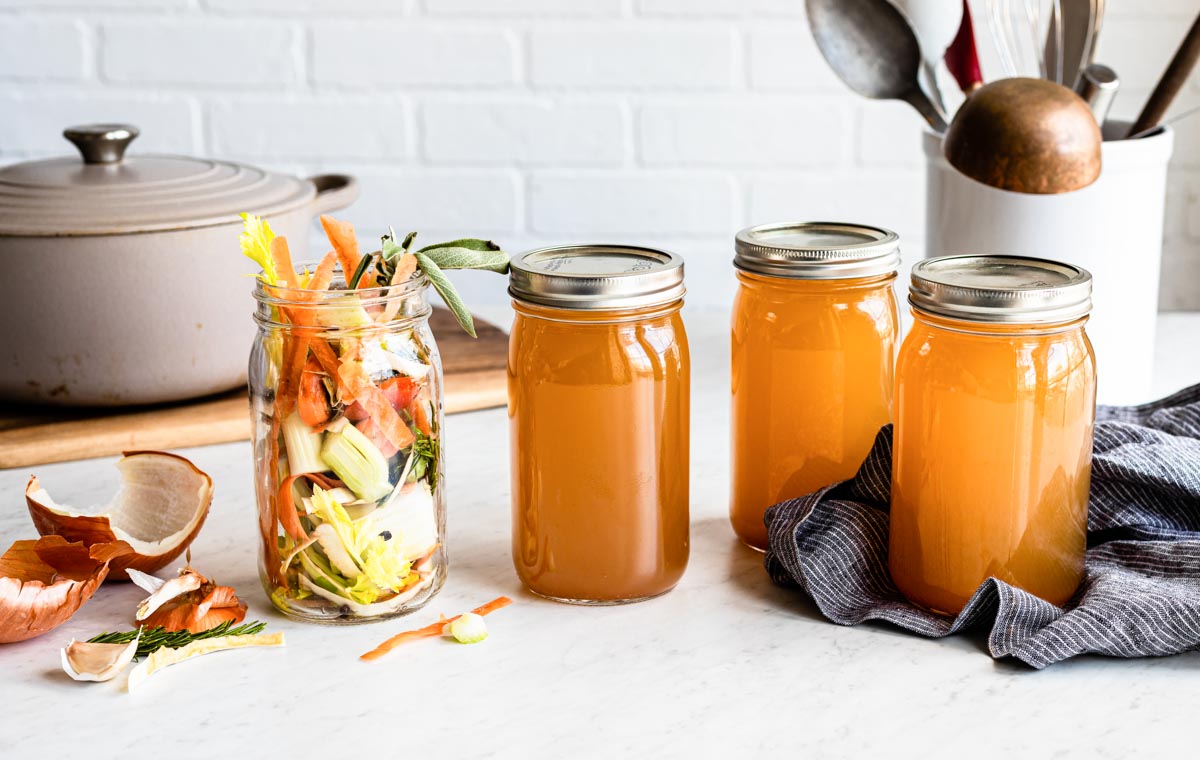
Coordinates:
(123,281)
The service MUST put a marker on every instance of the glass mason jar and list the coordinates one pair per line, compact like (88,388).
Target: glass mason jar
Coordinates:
(996,397)
(598,389)
(815,327)
(346,400)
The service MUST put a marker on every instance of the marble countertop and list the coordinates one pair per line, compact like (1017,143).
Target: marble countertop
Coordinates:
(726,664)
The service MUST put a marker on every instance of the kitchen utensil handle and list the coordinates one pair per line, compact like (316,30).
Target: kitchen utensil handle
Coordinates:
(1171,82)
(961,57)
(334,191)
(920,101)
(1098,85)
(101,143)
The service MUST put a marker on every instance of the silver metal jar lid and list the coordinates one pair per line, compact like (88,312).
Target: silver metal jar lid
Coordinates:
(1001,289)
(596,277)
(817,250)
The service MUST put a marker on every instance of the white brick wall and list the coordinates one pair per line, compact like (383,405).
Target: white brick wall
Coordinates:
(662,122)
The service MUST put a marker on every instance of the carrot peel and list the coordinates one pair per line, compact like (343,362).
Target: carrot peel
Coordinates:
(433,630)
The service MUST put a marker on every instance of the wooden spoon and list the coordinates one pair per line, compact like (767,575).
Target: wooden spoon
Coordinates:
(1171,82)
(1027,136)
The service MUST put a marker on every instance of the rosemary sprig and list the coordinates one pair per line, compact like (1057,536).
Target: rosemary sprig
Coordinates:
(157,638)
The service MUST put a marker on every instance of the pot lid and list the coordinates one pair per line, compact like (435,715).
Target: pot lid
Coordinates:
(103,192)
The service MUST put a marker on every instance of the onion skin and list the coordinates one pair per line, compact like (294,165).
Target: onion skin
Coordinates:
(96,529)
(198,604)
(44,582)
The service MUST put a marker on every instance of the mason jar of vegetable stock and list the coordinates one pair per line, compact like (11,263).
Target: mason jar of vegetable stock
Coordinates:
(995,403)
(815,326)
(598,394)
(346,401)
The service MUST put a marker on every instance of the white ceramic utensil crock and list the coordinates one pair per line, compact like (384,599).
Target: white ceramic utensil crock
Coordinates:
(123,279)
(1113,228)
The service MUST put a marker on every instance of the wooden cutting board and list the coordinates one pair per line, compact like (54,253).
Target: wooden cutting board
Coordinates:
(475,378)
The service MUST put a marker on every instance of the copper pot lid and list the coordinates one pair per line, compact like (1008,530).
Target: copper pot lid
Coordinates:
(105,192)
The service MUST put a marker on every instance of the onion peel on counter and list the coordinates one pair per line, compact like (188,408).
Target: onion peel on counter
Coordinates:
(158,511)
(44,582)
(189,602)
(433,630)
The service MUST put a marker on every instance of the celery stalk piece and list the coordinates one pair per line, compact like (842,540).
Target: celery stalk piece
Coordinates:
(303,446)
(357,462)
(468,628)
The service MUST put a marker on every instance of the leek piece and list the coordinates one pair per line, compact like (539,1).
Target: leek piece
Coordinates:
(357,462)
(347,313)
(468,628)
(303,446)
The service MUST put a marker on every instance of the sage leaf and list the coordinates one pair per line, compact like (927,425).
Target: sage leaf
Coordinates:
(456,257)
(473,244)
(446,290)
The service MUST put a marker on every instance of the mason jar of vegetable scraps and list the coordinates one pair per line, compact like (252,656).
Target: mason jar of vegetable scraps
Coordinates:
(598,394)
(346,399)
(996,397)
(813,343)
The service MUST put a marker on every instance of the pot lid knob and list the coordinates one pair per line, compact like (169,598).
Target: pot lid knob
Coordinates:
(101,143)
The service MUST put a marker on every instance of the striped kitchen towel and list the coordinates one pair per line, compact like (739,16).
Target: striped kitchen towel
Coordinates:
(1141,593)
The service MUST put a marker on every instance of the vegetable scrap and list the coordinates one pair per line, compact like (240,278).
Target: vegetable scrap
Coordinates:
(469,630)
(44,582)
(166,657)
(154,639)
(90,661)
(189,602)
(158,511)
(352,461)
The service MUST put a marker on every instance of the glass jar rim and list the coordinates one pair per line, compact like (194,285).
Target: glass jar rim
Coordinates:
(275,295)
(970,326)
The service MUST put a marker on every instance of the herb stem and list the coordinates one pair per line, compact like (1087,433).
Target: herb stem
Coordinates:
(157,638)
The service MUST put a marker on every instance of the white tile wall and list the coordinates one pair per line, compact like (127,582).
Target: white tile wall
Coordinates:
(663,122)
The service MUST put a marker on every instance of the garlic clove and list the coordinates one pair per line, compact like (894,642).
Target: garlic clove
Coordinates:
(86,661)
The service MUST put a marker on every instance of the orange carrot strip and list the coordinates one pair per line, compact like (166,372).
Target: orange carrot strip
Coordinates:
(314,407)
(416,410)
(289,518)
(341,237)
(404,269)
(324,273)
(283,262)
(268,517)
(356,381)
(498,603)
(326,356)
(430,631)
(302,340)
(288,391)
